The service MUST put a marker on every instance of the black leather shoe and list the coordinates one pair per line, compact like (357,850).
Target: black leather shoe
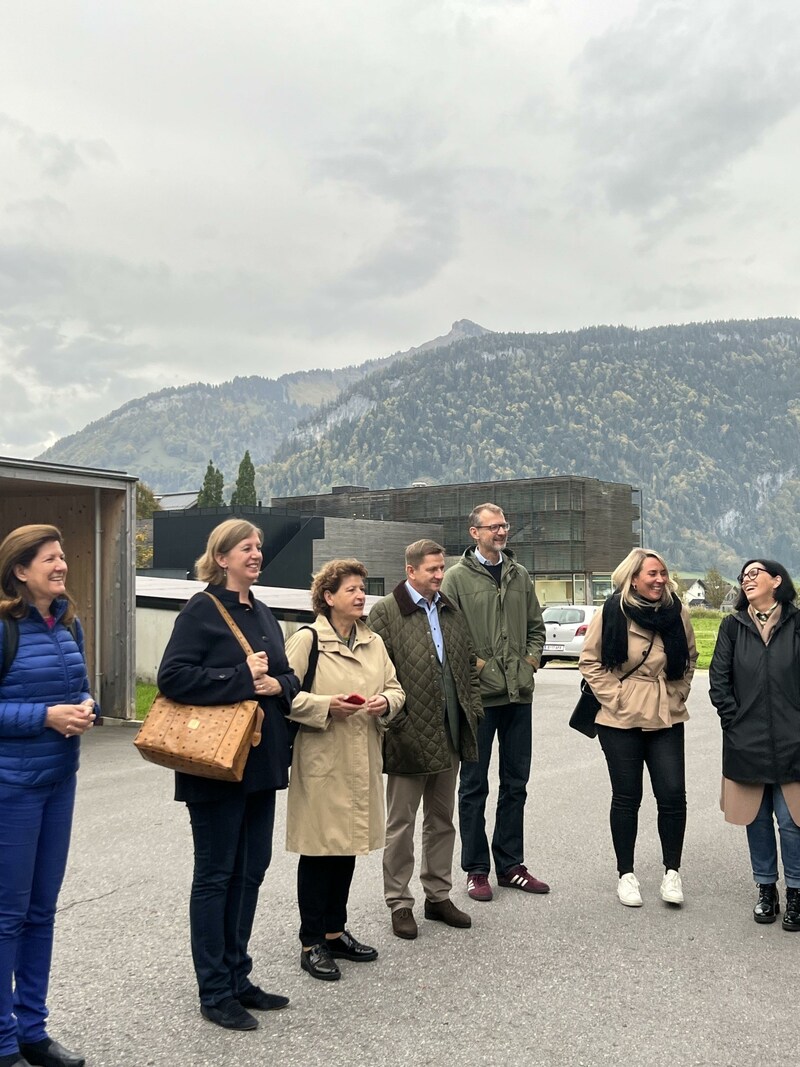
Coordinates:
(445,911)
(791,917)
(260,1001)
(347,948)
(319,963)
(49,1053)
(768,905)
(18,1062)
(230,1014)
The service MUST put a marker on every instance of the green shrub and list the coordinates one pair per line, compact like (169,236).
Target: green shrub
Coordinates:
(706,624)
(145,695)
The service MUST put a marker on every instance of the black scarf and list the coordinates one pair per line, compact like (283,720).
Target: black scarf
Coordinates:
(664,621)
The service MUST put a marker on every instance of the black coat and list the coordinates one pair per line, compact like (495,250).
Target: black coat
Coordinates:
(205,664)
(756,691)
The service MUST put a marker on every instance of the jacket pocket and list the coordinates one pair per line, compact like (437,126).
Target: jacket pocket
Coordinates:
(314,752)
(525,674)
(638,703)
(492,679)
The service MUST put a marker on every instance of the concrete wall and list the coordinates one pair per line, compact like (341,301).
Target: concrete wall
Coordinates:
(153,630)
(378,545)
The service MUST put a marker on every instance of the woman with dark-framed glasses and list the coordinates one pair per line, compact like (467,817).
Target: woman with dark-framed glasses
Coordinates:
(755,687)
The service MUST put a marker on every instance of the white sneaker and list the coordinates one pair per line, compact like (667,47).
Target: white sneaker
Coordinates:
(672,888)
(628,891)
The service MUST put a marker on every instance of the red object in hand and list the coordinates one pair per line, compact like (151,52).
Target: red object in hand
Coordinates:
(355,698)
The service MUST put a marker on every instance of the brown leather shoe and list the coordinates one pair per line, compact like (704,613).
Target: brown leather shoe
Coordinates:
(445,911)
(404,924)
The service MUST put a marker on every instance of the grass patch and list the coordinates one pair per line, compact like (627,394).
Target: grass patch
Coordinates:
(145,695)
(706,625)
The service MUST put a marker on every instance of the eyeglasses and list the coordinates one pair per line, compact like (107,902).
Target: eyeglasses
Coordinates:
(496,527)
(752,574)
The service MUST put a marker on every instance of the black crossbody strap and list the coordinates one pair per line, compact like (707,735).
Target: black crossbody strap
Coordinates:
(646,653)
(313,658)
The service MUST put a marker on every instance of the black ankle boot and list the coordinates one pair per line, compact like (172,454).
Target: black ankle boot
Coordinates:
(791,918)
(768,905)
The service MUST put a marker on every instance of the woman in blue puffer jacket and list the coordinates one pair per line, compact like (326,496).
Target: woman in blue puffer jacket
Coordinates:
(44,708)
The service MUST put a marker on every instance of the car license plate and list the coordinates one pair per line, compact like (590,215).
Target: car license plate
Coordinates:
(553,648)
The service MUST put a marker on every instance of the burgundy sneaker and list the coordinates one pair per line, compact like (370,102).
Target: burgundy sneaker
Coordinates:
(478,886)
(520,877)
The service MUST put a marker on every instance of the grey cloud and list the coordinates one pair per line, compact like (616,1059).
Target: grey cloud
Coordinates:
(56,157)
(398,161)
(670,99)
(681,298)
(40,209)
(52,383)
(113,296)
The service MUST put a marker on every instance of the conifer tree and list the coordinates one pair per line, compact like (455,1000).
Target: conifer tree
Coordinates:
(210,496)
(245,491)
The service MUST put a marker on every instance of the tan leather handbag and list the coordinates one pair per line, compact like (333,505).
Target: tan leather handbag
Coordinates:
(211,741)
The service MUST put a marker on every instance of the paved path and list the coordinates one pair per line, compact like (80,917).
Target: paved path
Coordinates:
(569,979)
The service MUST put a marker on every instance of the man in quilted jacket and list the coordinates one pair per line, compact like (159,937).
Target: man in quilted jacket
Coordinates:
(428,641)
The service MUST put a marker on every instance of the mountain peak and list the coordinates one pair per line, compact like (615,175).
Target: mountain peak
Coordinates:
(459,331)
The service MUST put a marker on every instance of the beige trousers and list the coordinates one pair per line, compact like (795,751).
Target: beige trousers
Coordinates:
(438,795)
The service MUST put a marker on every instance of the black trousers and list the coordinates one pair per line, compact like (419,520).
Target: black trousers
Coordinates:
(323,886)
(232,850)
(627,752)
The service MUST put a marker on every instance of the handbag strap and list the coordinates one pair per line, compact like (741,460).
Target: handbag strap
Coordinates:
(248,651)
(646,653)
(313,659)
(237,633)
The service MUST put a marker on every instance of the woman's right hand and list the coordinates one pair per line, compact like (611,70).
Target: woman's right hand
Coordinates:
(71,719)
(341,709)
(258,663)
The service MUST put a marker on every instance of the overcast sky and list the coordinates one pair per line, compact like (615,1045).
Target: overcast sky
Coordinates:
(193,190)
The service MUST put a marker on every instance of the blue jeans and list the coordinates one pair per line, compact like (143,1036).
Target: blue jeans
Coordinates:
(512,724)
(35,827)
(627,752)
(761,839)
(232,850)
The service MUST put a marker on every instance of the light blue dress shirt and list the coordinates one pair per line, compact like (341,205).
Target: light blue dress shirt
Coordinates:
(484,561)
(432,612)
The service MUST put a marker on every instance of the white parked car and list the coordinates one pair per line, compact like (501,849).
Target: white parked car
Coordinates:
(565,628)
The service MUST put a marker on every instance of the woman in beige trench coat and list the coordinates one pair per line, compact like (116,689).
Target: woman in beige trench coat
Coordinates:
(336,808)
(638,657)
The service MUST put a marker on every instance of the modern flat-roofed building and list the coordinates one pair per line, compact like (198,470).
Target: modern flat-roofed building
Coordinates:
(295,545)
(569,532)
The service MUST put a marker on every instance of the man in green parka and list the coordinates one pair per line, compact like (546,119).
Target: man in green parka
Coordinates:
(497,598)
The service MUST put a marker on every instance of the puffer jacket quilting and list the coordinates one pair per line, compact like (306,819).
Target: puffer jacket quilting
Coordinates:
(49,668)
(416,742)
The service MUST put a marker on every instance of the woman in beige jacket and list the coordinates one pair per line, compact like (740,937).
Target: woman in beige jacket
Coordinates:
(335,807)
(639,657)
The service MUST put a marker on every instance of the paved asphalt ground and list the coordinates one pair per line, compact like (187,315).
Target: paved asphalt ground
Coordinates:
(572,978)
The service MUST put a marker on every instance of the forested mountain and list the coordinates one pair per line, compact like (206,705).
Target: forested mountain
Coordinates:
(705,418)
(167,438)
